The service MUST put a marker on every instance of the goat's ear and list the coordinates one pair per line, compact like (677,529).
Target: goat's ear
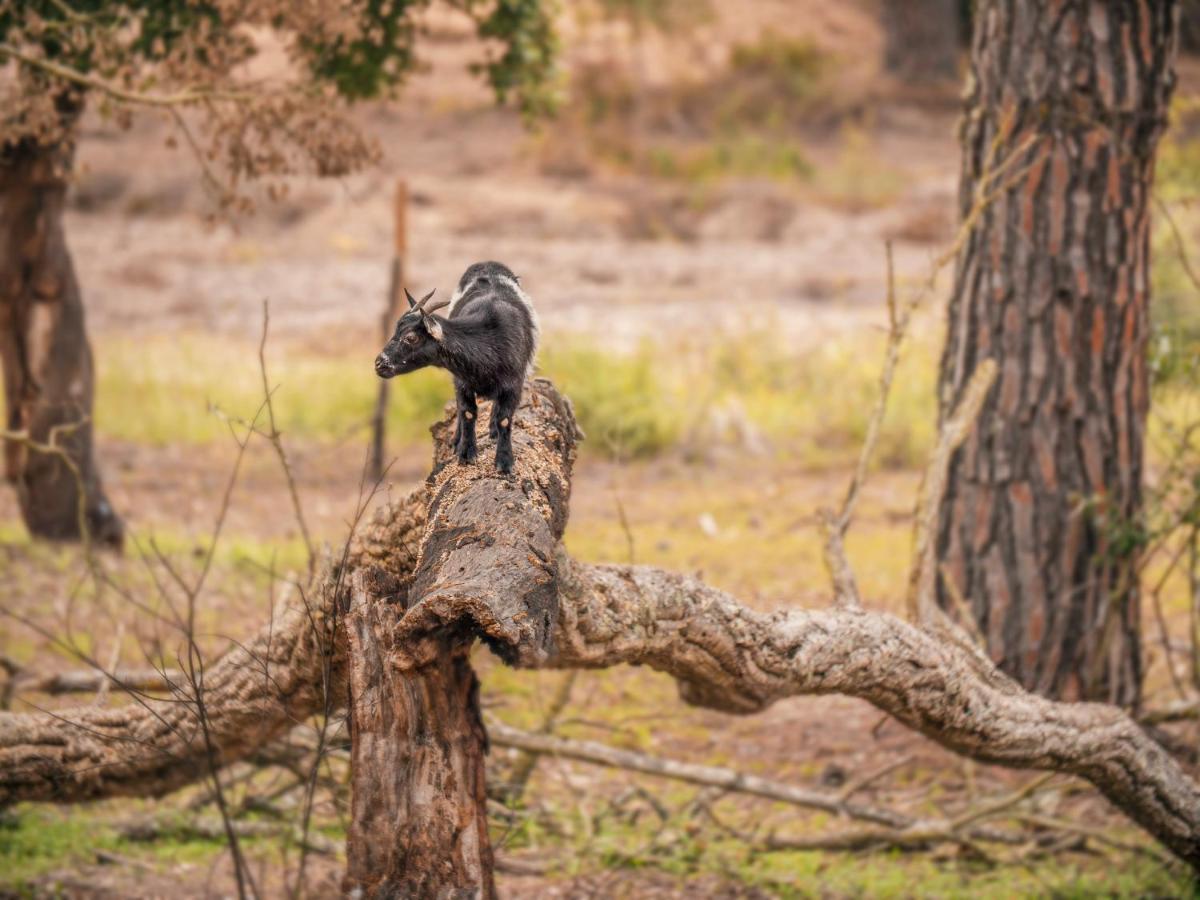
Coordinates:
(434,327)
(411,301)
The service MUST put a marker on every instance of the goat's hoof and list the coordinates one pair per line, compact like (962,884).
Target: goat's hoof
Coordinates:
(467,456)
(504,466)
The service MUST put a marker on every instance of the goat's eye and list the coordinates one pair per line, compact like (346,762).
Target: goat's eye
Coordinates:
(411,338)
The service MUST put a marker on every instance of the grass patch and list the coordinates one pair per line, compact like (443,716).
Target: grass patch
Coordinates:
(736,155)
(861,179)
(691,396)
(633,404)
(36,840)
(167,390)
(639,837)
(625,405)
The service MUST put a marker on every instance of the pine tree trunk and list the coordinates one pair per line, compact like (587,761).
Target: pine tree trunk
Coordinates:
(921,39)
(47,363)
(1040,522)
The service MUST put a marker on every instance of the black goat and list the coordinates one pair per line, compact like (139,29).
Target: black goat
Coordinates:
(487,342)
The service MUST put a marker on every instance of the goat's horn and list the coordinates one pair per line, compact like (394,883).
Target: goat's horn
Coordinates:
(432,308)
(411,302)
(421,302)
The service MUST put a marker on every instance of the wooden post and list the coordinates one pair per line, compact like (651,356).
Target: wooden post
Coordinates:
(390,314)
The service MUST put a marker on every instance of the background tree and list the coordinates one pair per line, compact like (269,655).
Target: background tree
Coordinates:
(922,39)
(192,62)
(1189,27)
(1040,524)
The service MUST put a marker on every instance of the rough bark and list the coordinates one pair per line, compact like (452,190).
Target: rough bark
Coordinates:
(1039,525)
(293,668)
(419,812)
(727,657)
(47,362)
(152,747)
(921,40)
(485,569)
(722,654)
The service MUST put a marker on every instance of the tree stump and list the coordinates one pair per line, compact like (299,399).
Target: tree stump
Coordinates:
(486,569)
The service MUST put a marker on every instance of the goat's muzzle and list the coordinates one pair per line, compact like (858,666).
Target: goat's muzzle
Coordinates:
(384,367)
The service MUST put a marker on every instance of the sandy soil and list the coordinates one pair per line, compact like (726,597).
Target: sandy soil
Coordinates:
(753,251)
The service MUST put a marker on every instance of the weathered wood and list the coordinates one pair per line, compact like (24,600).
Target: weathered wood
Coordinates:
(47,362)
(1039,525)
(418,823)
(90,681)
(486,569)
(730,658)
(252,694)
(291,669)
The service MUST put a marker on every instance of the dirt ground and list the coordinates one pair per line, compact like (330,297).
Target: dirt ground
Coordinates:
(755,252)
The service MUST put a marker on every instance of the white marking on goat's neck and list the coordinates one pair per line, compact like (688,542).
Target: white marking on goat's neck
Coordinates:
(533,318)
(458,295)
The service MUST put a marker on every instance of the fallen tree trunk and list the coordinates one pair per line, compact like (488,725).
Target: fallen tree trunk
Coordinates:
(728,657)
(290,670)
(473,551)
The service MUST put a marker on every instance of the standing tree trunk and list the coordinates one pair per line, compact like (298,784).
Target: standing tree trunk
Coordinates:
(1040,523)
(47,363)
(921,39)
(419,816)
(486,568)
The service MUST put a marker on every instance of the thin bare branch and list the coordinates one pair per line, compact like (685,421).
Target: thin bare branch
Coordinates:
(923,572)
(186,97)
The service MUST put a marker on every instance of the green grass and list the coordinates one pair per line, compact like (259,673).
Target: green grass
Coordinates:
(736,155)
(37,841)
(630,404)
(814,404)
(184,389)
(626,405)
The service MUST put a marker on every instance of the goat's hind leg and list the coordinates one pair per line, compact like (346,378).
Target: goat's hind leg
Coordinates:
(464,434)
(502,414)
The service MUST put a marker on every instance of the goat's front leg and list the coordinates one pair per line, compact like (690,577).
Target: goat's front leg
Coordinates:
(502,414)
(464,434)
